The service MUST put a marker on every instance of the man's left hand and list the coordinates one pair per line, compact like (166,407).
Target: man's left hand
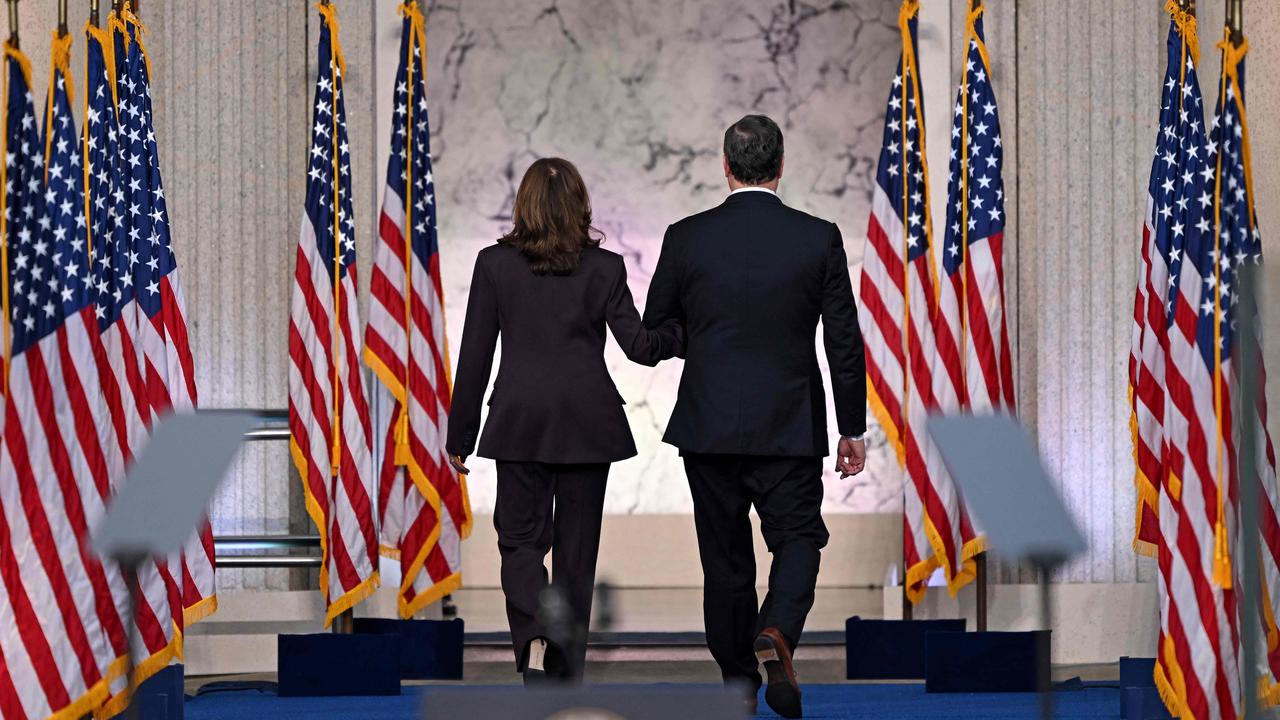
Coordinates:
(457,462)
(851,456)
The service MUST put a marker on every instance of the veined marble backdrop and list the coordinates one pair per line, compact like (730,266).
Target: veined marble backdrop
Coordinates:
(638,93)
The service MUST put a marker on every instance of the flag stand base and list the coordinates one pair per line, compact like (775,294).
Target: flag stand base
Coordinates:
(1139,699)
(891,649)
(159,697)
(429,649)
(327,664)
(985,661)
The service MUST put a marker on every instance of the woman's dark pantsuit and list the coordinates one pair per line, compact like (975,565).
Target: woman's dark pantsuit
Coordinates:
(555,420)
(545,507)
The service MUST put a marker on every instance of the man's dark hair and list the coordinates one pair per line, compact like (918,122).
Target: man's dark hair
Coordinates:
(753,147)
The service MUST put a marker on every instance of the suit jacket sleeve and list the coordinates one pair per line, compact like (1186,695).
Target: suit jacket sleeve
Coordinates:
(641,344)
(843,341)
(663,305)
(475,362)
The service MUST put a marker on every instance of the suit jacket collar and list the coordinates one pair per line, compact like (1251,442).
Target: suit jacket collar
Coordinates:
(754,196)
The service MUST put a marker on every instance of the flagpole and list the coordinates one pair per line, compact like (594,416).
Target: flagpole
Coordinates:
(344,623)
(981,559)
(4,236)
(1250,353)
(13,23)
(907,69)
(402,432)
(94,17)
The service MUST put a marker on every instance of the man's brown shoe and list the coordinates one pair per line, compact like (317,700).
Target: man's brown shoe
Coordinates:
(783,692)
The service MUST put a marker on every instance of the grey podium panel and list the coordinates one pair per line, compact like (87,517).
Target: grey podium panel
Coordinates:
(165,494)
(997,467)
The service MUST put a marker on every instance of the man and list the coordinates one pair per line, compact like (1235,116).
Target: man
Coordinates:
(749,280)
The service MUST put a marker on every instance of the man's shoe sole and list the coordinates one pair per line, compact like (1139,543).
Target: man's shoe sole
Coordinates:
(781,693)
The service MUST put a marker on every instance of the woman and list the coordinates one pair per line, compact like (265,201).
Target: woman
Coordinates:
(555,417)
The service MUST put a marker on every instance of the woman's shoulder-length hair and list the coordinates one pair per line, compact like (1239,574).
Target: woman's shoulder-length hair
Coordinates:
(551,221)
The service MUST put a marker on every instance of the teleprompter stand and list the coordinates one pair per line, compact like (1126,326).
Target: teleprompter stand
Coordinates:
(1005,485)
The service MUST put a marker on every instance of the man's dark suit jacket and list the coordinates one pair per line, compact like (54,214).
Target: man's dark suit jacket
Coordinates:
(749,281)
(553,400)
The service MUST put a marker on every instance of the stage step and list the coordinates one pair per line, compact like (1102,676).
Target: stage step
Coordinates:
(647,639)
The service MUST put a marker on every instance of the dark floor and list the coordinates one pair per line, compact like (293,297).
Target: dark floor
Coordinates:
(821,701)
(646,672)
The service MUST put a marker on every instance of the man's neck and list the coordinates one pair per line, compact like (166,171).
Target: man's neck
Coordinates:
(771,187)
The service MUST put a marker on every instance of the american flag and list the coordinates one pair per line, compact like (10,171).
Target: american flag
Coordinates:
(120,375)
(163,346)
(328,413)
(58,601)
(1239,243)
(1157,263)
(97,457)
(422,502)
(974,364)
(1212,229)
(899,301)
(971,301)
(1198,660)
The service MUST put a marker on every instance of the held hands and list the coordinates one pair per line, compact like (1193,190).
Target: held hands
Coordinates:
(457,462)
(851,456)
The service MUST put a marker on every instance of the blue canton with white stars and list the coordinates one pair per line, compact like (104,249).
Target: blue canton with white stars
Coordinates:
(1241,243)
(64,202)
(1184,194)
(901,168)
(422,223)
(1182,177)
(112,252)
(985,161)
(35,300)
(320,178)
(150,255)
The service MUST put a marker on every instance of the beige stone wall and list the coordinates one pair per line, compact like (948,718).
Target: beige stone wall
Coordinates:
(1086,79)
(1087,88)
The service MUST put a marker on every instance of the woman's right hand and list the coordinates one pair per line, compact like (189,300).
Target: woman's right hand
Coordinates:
(457,462)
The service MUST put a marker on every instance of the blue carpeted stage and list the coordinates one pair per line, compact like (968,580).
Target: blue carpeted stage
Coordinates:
(841,702)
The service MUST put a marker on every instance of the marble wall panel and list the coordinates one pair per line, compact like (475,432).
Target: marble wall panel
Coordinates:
(637,93)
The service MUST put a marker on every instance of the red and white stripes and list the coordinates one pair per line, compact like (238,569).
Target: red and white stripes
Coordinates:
(422,502)
(328,412)
(338,499)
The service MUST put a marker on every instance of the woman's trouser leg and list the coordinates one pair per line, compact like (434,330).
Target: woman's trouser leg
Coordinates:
(522,516)
(579,508)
